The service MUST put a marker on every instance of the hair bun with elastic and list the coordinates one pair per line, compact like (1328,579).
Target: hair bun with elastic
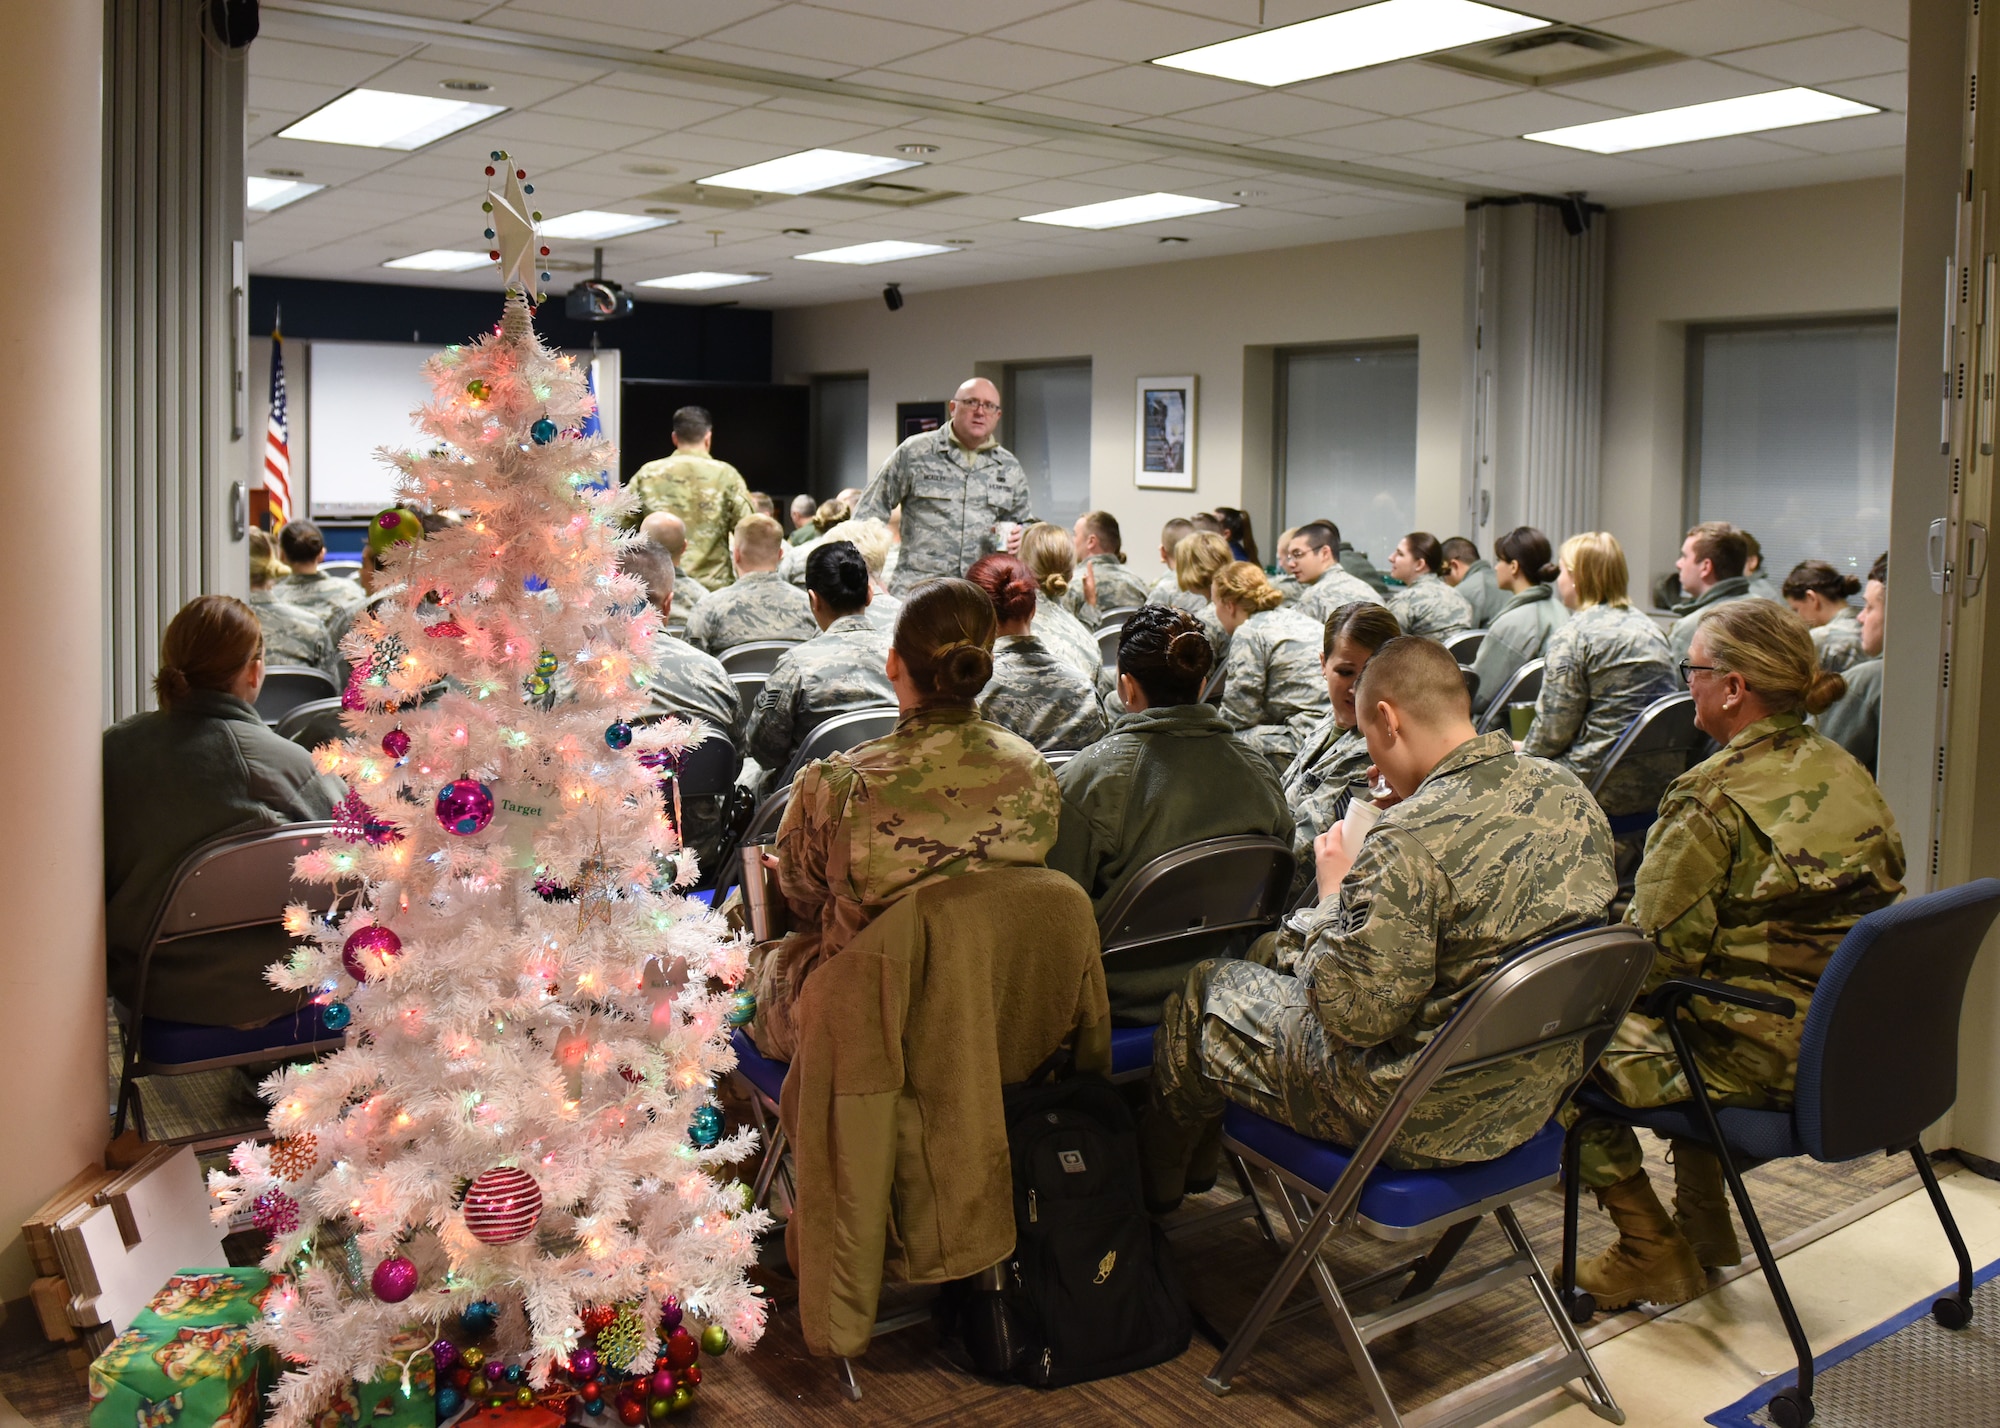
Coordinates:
(963,668)
(1189,654)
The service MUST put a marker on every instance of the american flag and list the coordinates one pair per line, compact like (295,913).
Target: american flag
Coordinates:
(277,442)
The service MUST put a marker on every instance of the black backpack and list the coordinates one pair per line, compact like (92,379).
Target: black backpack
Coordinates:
(1091,1290)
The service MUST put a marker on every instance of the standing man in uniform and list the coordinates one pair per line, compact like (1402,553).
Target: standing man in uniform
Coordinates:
(953,485)
(708,495)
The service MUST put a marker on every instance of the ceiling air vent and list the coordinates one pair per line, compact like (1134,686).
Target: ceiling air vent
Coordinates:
(1561,54)
(872,191)
(891,195)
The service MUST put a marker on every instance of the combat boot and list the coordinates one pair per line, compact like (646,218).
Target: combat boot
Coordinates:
(1652,1260)
(1701,1206)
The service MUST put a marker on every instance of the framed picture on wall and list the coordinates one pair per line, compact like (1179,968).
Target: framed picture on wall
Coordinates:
(1164,440)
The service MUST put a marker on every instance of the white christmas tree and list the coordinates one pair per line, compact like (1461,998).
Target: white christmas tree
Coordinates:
(521,1128)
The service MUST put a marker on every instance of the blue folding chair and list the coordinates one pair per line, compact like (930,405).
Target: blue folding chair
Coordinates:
(1665,732)
(765,1078)
(1878,1064)
(1571,990)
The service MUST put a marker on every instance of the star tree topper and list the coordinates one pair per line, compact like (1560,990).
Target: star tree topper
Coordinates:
(517,246)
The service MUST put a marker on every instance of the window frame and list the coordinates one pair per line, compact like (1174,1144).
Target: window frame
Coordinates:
(1281,401)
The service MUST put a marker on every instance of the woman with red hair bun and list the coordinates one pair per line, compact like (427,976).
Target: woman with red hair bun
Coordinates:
(1034,692)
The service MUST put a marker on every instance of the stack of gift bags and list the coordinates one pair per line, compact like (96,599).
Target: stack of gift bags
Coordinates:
(189,1361)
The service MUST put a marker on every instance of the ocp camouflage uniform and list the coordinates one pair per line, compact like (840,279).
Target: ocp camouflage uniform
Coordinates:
(1854,721)
(1599,672)
(1040,696)
(1329,770)
(710,498)
(1332,590)
(1429,607)
(839,670)
(1763,858)
(758,606)
(1681,638)
(1493,853)
(1839,642)
(334,598)
(1518,633)
(293,635)
(1480,589)
(951,500)
(1274,690)
(687,684)
(1117,587)
(944,795)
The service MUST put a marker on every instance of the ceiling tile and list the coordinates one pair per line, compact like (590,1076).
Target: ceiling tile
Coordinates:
(317,64)
(1667,86)
(1706,27)
(1000,65)
(1891,17)
(1404,88)
(685,87)
(424,75)
(790,132)
(1717,154)
(279,102)
(277,25)
(1846,136)
(926,85)
(534,126)
(634,108)
(1148,89)
(662,19)
(969,17)
(1526,113)
(1846,54)
(1071,109)
(1119,29)
(764,59)
(816,33)
(1493,156)
(1394,136)
(1884,91)
(1041,161)
(1182,129)
(536,21)
(1275,114)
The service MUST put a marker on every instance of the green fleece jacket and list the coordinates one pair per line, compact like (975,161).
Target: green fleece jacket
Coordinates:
(1161,779)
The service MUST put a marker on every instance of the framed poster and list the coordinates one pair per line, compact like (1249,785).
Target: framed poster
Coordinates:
(916,418)
(1164,443)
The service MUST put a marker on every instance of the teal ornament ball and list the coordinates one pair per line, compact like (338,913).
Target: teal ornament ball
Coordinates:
(335,1016)
(479,1317)
(705,1127)
(618,735)
(742,1009)
(543,431)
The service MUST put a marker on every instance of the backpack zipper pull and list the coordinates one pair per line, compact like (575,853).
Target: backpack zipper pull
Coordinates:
(1032,1216)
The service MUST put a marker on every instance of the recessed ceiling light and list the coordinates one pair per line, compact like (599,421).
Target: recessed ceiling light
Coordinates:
(286,173)
(1747,114)
(886,251)
(265,194)
(381,119)
(916,148)
(809,172)
(1352,39)
(1123,212)
(596,223)
(440,260)
(466,86)
(702,282)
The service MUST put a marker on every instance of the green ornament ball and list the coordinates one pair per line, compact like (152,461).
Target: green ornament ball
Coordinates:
(714,1339)
(545,664)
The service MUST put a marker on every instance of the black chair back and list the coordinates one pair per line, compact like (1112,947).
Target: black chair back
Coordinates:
(1107,641)
(315,722)
(708,769)
(1524,688)
(1471,677)
(1666,726)
(756,656)
(287,686)
(840,733)
(1464,646)
(1208,899)
(1878,1060)
(749,684)
(344,569)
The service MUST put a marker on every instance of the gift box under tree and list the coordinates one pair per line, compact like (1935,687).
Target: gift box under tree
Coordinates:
(188,1360)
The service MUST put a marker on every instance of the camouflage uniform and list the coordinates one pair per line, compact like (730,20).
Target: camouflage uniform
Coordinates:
(1763,858)
(1335,588)
(1117,586)
(1167,591)
(951,500)
(1431,608)
(1363,569)
(1599,672)
(1039,696)
(1765,588)
(687,590)
(688,684)
(759,606)
(1519,633)
(1480,589)
(335,599)
(1288,588)
(883,608)
(1854,721)
(1690,612)
(837,671)
(1066,638)
(1492,853)
(943,795)
(1274,690)
(1330,768)
(792,564)
(293,635)
(709,497)
(1839,642)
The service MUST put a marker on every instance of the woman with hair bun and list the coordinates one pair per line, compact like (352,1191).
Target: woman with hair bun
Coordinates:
(1273,690)
(1049,554)
(1818,595)
(1033,692)
(1763,857)
(961,794)
(1523,569)
(1169,773)
(201,765)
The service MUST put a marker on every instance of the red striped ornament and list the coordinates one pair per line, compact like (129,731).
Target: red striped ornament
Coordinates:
(502,1205)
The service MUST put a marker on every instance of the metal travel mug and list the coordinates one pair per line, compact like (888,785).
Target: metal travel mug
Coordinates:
(761,897)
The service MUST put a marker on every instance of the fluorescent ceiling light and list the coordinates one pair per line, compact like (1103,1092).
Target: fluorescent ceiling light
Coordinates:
(382,119)
(1750,114)
(265,194)
(1352,39)
(441,260)
(1123,212)
(886,251)
(809,172)
(702,282)
(596,223)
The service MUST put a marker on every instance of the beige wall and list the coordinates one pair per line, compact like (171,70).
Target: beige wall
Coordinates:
(1812,251)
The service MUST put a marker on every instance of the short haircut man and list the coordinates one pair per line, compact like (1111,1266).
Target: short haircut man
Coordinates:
(758,544)
(667,531)
(301,543)
(650,564)
(1320,535)
(1458,550)
(1420,678)
(1722,546)
(762,504)
(692,426)
(1104,527)
(1209,524)
(1172,534)
(802,509)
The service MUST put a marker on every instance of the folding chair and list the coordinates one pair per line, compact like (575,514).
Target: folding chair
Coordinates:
(237,881)
(1117,614)
(1107,641)
(1664,727)
(756,656)
(749,684)
(315,722)
(1464,646)
(343,569)
(1524,688)
(1878,1063)
(287,686)
(707,774)
(841,732)
(1056,758)
(1471,677)
(1572,990)
(1209,899)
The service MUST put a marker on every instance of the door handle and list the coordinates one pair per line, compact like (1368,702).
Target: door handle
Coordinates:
(1975,559)
(1934,556)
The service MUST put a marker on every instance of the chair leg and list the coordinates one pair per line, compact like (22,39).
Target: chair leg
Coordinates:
(1596,1391)
(1580,1306)
(1954,1311)
(847,1380)
(1247,1184)
(774,1155)
(1434,1264)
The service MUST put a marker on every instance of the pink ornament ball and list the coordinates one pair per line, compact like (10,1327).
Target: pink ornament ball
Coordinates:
(367,949)
(395,1280)
(464,806)
(663,1383)
(670,1315)
(583,1364)
(502,1205)
(396,744)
